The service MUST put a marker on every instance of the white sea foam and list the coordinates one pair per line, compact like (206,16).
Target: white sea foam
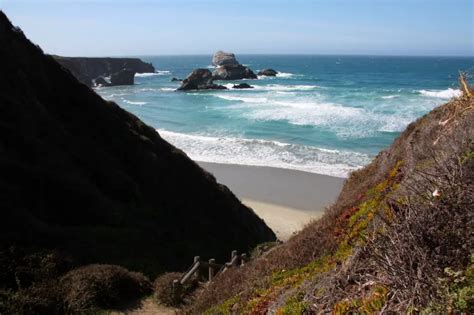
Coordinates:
(284,75)
(280,87)
(133,103)
(345,121)
(167,89)
(151,74)
(275,87)
(243,151)
(446,94)
(389,97)
(242,99)
(163,72)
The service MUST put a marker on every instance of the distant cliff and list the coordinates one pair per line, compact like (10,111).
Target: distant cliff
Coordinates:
(81,175)
(87,70)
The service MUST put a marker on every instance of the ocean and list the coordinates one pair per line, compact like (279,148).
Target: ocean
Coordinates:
(322,114)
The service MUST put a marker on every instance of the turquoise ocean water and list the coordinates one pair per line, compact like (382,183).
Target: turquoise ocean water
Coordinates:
(322,114)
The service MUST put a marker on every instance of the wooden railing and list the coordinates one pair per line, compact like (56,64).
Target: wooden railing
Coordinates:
(209,269)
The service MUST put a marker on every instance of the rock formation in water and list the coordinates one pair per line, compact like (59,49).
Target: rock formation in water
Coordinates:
(233,72)
(81,175)
(268,72)
(200,79)
(242,86)
(87,70)
(221,58)
(228,68)
(122,77)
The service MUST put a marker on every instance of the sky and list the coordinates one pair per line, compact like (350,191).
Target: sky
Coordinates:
(147,27)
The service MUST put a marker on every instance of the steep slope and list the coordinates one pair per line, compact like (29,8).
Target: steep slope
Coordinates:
(399,237)
(81,175)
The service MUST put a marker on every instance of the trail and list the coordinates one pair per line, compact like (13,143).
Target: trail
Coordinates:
(147,306)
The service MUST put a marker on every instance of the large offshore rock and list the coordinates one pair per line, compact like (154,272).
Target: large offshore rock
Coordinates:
(233,72)
(200,79)
(221,58)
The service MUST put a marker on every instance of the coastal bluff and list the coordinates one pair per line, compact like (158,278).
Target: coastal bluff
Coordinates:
(82,176)
(89,69)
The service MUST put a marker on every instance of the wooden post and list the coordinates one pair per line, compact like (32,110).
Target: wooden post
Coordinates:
(175,284)
(176,290)
(211,269)
(233,259)
(196,261)
(243,259)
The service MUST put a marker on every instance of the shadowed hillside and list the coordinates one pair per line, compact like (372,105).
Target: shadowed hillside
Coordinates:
(398,239)
(80,175)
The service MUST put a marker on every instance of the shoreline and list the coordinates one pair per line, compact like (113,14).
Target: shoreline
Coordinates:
(285,199)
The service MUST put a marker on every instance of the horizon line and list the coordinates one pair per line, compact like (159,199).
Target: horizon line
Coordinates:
(273,54)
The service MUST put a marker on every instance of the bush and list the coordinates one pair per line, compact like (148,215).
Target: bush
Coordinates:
(41,298)
(166,294)
(430,232)
(20,267)
(102,287)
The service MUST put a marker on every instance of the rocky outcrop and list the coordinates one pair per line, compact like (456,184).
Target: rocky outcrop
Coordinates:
(268,72)
(87,70)
(80,174)
(100,81)
(228,68)
(221,58)
(242,86)
(233,72)
(176,80)
(200,79)
(122,77)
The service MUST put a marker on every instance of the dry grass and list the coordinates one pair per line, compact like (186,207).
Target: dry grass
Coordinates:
(166,294)
(102,287)
(40,283)
(411,245)
(427,234)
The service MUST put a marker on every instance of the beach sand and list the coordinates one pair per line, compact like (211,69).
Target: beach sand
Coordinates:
(285,199)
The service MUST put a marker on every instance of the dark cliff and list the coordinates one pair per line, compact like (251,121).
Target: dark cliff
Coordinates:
(88,69)
(82,175)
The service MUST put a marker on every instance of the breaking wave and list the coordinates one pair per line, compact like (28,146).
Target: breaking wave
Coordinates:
(233,150)
(133,103)
(446,94)
(151,74)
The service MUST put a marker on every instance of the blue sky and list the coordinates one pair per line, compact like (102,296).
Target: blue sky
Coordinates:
(146,27)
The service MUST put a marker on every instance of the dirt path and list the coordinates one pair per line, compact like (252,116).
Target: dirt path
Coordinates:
(146,307)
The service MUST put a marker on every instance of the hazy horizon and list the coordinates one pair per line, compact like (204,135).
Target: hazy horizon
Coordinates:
(440,28)
(268,54)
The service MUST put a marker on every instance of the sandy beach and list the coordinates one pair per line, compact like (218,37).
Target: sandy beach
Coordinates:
(286,199)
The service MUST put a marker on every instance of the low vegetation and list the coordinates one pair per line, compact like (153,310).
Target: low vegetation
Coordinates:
(167,294)
(46,283)
(93,287)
